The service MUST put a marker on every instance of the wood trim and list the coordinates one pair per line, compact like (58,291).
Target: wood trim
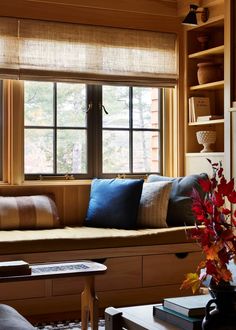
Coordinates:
(165,8)
(228,62)
(148,20)
(6,130)
(103,253)
(17,133)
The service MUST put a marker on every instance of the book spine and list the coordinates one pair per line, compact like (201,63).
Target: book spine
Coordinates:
(176,308)
(176,320)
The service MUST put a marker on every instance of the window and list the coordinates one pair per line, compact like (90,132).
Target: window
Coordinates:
(88,130)
(55,128)
(131,134)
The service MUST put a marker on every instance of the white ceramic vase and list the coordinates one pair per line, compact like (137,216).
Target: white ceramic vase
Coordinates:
(206,138)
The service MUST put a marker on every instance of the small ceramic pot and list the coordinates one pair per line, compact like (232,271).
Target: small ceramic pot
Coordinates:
(209,72)
(203,40)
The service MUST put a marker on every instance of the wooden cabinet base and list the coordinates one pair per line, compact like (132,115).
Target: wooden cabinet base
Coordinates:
(135,276)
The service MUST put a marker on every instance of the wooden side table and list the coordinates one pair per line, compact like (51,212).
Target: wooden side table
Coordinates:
(87,269)
(134,318)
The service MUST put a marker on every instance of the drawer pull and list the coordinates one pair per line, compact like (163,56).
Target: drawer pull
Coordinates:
(181,255)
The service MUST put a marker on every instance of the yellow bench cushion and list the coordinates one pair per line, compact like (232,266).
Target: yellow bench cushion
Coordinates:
(78,238)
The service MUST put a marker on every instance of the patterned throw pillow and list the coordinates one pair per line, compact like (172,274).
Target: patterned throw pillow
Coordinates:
(154,204)
(28,212)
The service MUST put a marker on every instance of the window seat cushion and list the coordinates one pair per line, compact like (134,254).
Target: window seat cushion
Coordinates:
(76,238)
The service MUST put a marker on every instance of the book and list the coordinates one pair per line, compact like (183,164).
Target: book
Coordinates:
(189,306)
(13,268)
(199,106)
(181,321)
(210,117)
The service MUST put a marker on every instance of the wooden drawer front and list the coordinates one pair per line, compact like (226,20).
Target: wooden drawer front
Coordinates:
(21,290)
(67,285)
(122,273)
(168,268)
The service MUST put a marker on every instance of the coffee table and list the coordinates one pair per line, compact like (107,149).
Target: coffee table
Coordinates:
(134,318)
(87,269)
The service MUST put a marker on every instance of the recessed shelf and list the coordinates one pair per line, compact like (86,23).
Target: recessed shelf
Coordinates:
(209,86)
(204,53)
(208,122)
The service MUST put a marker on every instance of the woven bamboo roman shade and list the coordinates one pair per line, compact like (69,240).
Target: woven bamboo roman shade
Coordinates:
(61,51)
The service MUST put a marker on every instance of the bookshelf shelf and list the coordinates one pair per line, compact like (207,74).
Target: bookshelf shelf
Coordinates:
(210,86)
(208,122)
(208,52)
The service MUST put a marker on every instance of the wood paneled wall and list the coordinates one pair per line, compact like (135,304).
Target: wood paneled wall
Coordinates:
(139,14)
(71,199)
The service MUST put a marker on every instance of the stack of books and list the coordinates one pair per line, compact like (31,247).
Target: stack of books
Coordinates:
(14,268)
(210,117)
(185,312)
(198,106)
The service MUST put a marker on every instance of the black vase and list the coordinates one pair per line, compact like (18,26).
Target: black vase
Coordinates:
(223,316)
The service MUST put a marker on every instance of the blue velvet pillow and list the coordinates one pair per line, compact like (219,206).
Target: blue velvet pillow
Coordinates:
(114,203)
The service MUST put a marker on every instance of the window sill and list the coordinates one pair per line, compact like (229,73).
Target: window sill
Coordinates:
(33,183)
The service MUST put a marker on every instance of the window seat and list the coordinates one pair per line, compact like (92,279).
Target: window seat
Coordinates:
(143,266)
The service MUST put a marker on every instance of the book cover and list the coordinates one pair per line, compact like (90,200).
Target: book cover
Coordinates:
(200,106)
(210,117)
(12,268)
(188,306)
(181,321)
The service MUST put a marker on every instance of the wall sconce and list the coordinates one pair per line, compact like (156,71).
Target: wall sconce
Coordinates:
(191,18)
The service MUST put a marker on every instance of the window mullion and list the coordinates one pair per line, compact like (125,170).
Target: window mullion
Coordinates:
(55,128)
(131,129)
(98,131)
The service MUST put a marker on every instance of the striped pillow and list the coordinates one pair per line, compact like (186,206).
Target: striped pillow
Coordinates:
(28,212)
(154,204)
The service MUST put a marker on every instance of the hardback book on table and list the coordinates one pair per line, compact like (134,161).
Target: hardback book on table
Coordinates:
(13,268)
(189,306)
(180,320)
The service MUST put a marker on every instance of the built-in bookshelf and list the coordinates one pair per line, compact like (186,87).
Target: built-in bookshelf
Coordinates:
(213,51)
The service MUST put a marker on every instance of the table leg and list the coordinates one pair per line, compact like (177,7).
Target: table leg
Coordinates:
(89,304)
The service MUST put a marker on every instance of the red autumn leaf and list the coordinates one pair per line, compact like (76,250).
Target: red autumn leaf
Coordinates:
(224,256)
(226,188)
(205,184)
(222,186)
(210,268)
(217,199)
(209,206)
(232,197)
(227,235)
(220,171)
(226,211)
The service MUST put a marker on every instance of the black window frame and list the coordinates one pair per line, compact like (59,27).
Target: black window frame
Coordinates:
(94,136)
